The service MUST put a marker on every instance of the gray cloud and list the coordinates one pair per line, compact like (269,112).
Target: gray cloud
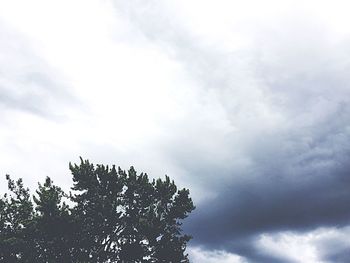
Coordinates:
(338,256)
(284,171)
(27,82)
(335,247)
(299,181)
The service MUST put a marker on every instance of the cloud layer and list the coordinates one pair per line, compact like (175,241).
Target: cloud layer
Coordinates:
(248,107)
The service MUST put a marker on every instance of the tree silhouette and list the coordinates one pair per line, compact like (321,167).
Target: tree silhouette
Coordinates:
(52,225)
(113,216)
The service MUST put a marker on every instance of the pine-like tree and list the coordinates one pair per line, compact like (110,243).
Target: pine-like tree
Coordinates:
(113,216)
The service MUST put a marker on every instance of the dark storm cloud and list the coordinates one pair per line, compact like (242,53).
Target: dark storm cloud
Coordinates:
(294,185)
(299,191)
(27,83)
(273,205)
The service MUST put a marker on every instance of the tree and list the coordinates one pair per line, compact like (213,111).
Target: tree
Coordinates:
(52,231)
(114,216)
(16,223)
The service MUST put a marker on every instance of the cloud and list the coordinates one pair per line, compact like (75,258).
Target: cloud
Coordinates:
(297,184)
(320,245)
(198,255)
(248,107)
(27,82)
(278,158)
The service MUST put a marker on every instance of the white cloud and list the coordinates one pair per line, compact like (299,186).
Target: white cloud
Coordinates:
(310,247)
(289,246)
(198,255)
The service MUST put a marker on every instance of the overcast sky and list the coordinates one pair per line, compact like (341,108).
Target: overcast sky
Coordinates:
(246,103)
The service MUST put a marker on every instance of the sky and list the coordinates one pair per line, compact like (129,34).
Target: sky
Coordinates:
(246,103)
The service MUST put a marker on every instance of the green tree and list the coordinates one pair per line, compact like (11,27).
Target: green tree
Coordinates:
(113,216)
(52,232)
(17,217)
(125,217)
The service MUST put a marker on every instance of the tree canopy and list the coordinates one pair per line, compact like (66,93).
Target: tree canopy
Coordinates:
(110,215)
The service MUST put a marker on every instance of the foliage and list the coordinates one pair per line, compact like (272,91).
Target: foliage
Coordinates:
(113,216)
